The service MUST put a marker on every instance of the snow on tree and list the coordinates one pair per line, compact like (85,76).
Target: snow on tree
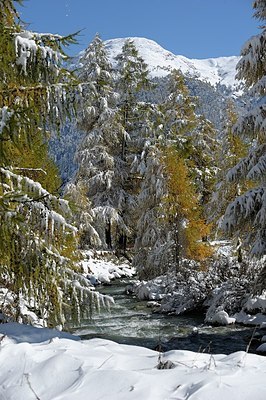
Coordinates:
(151,249)
(38,240)
(168,230)
(246,215)
(235,149)
(194,135)
(136,119)
(100,173)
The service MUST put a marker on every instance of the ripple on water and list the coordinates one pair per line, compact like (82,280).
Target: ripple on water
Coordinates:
(131,322)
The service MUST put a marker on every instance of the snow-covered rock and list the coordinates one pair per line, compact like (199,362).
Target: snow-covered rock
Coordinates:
(256,303)
(103,271)
(222,318)
(247,319)
(262,348)
(263,339)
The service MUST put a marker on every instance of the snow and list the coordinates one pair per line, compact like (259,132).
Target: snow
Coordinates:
(64,369)
(103,271)
(247,319)
(222,318)
(257,302)
(5,115)
(160,62)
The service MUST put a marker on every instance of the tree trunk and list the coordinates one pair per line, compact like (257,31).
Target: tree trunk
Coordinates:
(108,235)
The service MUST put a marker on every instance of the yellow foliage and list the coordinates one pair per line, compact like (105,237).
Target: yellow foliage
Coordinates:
(182,209)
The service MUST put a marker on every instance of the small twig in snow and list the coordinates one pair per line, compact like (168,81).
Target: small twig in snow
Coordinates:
(31,388)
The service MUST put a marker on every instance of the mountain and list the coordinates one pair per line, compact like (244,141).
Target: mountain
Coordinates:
(221,70)
(211,80)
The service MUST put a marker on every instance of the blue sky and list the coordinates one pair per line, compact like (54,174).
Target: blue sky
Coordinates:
(193,28)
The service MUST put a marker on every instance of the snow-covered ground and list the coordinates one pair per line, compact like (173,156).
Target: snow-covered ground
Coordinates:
(65,369)
(44,364)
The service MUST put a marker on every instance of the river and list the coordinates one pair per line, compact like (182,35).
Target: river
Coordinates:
(130,321)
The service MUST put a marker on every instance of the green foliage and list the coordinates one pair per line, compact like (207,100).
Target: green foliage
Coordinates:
(38,244)
(245,214)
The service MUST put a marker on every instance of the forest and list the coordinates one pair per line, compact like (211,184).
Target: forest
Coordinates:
(132,221)
(155,182)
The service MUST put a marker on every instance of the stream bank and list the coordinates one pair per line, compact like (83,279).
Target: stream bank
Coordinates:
(131,322)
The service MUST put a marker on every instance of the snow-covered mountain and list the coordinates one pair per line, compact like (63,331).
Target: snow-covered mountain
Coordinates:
(160,62)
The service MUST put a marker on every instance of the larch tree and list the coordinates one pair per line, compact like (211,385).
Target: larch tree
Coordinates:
(182,212)
(38,266)
(245,216)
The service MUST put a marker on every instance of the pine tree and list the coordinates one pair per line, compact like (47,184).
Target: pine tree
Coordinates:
(246,215)
(179,112)
(194,135)
(38,241)
(151,249)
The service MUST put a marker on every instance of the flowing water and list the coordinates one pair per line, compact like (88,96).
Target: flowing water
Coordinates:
(130,321)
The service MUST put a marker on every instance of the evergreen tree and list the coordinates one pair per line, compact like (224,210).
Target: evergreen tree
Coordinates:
(136,120)
(178,110)
(151,250)
(246,215)
(38,243)
(234,147)
(203,159)
(194,136)
(100,174)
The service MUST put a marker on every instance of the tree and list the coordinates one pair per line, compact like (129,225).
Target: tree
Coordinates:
(151,249)
(168,231)
(246,214)
(193,134)
(182,211)
(234,147)
(135,118)
(38,259)
(100,175)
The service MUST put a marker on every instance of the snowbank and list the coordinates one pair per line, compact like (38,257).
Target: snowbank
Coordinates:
(223,291)
(102,271)
(63,369)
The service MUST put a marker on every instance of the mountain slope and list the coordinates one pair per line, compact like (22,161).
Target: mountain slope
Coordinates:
(160,62)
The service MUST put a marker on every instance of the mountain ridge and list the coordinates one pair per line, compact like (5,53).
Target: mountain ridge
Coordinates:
(220,70)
